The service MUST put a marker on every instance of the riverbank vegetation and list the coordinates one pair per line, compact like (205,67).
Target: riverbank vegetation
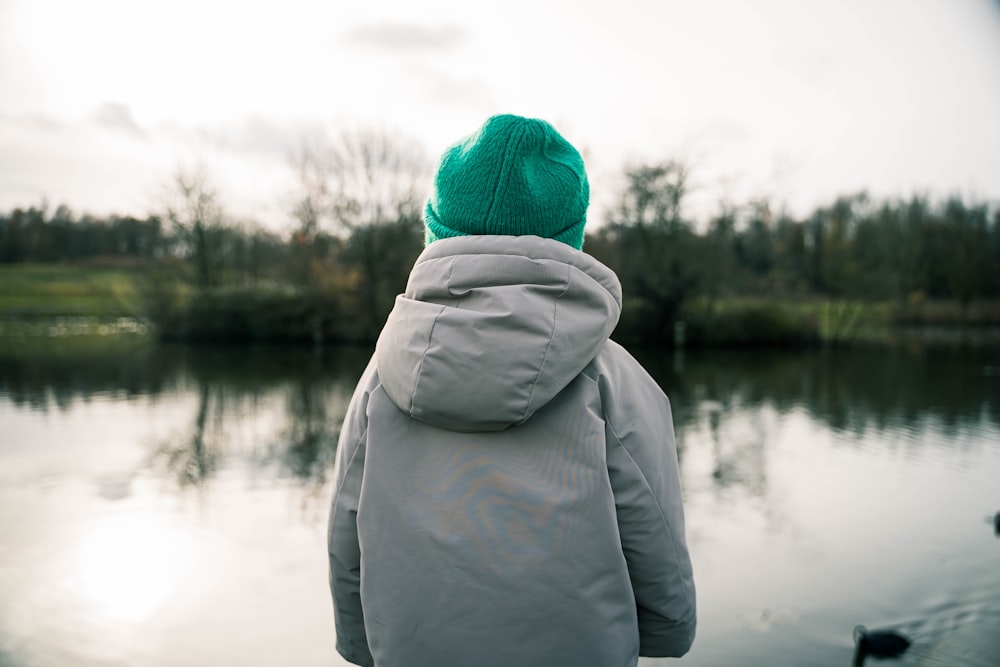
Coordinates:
(751,274)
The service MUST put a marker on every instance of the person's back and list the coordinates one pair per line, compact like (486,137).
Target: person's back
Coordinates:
(507,489)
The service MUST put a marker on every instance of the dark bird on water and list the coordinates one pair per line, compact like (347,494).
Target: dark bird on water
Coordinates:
(880,643)
(996,523)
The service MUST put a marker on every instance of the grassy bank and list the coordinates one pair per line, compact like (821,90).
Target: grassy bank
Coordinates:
(67,299)
(761,322)
(748,321)
(68,290)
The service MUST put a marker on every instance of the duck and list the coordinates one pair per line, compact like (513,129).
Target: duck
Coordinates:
(880,643)
(996,523)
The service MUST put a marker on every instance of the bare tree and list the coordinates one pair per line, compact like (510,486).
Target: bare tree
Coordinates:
(362,178)
(654,195)
(657,249)
(376,190)
(311,202)
(194,210)
(377,178)
(367,188)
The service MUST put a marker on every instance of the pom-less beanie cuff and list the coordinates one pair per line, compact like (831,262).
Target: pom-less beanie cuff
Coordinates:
(515,176)
(434,230)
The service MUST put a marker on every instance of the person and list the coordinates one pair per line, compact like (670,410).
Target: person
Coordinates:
(507,488)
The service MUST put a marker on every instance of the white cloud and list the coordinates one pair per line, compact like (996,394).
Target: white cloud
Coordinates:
(401,37)
(119,117)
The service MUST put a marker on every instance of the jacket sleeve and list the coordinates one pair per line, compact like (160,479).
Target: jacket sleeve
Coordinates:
(342,536)
(643,469)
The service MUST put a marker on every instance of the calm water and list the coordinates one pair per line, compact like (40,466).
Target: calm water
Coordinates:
(166,506)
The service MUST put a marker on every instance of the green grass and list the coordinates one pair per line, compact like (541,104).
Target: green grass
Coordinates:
(758,321)
(918,312)
(33,294)
(749,322)
(46,290)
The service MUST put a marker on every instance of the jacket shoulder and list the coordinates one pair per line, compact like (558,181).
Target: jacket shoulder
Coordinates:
(356,418)
(616,371)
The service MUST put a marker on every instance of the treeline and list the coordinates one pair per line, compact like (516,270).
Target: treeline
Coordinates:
(901,252)
(355,229)
(36,235)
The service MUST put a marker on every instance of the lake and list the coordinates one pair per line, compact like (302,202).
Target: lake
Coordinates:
(166,506)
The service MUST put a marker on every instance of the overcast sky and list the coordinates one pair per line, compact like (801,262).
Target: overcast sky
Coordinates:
(796,100)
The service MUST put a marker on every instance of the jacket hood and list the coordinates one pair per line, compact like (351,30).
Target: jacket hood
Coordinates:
(491,328)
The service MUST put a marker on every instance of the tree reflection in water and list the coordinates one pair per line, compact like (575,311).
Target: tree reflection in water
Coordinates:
(311,439)
(277,412)
(769,441)
(190,458)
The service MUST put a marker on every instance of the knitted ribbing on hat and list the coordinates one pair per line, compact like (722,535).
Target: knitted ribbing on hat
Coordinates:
(515,176)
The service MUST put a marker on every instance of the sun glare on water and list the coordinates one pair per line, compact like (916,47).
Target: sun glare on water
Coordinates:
(127,567)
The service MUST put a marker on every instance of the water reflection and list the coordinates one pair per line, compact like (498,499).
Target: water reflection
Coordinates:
(126,566)
(851,391)
(311,440)
(189,458)
(721,392)
(176,497)
(274,408)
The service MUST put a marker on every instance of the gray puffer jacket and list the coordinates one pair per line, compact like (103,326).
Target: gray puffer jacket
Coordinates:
(507,491)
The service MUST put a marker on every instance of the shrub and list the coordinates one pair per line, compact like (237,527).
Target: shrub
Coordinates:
(257,313)
(749,324)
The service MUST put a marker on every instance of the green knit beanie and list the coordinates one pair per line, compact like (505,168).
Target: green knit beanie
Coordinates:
(515,176)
